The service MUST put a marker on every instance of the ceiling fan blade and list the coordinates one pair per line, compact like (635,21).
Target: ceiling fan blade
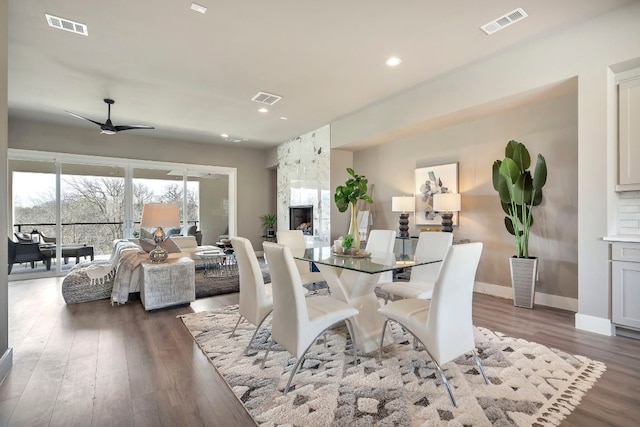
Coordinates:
(128,127)
(84,118)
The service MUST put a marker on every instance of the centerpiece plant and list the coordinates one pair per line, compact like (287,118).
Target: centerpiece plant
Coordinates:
(347,195)
(519,192)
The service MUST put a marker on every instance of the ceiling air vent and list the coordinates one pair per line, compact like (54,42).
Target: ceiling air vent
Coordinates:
(266,98)
(67,25)
(504,21)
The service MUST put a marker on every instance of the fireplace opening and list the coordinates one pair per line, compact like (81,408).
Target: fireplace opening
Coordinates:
(301,218)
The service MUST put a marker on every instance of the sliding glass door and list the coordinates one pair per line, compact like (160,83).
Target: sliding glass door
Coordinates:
(76,206)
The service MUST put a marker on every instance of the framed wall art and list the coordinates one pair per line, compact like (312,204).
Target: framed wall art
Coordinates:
(429,181)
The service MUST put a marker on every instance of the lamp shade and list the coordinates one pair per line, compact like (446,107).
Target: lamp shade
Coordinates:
(446,202)
(160,215)
(402,204)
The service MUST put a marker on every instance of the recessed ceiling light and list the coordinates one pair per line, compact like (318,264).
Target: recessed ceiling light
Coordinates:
(393,61)
(198,8)
(263,110)
(224,135)
(284,118)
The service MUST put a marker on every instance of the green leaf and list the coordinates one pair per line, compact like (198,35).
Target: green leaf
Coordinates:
(523,189)
(350,171)
(540,174)
(509,169)
(521,156)
(495,173)
(509,225)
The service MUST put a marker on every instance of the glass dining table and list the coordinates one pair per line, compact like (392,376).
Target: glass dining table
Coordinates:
(353,279)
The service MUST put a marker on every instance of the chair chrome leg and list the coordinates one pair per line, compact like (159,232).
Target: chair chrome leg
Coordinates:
(446,384)
(264,361)
(298,363)
(384,328)
(254,334)
(235,327)
(353,341)
(477,359)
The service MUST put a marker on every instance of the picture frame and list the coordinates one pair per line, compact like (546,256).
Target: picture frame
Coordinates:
(429,181)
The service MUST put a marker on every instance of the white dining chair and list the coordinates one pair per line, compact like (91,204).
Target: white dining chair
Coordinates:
(443,325)
(431,245)
(256,300)
(382,241)
(294,240)
(298,321)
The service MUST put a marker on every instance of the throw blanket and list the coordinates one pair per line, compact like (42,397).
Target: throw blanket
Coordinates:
(101,271)
(129,261)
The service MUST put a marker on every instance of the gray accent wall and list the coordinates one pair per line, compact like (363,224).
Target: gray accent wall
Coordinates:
(549,127)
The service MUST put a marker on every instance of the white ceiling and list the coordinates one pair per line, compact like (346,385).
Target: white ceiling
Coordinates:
(192,76)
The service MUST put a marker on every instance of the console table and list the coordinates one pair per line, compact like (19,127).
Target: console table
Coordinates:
(168,283)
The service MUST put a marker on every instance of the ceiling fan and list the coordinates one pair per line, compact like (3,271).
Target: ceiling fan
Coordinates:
(107,127)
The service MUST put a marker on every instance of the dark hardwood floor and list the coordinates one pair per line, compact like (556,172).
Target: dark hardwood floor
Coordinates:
(94,364)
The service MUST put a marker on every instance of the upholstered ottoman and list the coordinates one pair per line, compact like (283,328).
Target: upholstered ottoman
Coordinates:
(168,283)
(78,287)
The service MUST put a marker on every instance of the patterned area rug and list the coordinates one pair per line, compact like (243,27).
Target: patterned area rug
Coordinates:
(223,284)
(530,383)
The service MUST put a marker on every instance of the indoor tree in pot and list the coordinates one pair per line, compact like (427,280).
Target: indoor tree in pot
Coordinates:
(347,195)
(519,192)
(268,221)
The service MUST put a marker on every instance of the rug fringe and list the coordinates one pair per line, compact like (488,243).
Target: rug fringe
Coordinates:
(557,409)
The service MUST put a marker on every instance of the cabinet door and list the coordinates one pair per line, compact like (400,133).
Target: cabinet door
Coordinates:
(626,293)
(629,132)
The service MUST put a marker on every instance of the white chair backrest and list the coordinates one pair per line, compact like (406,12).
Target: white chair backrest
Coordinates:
(381,241)
(253,298)
(294,240)
(290,315)
(430,245)
(449,324)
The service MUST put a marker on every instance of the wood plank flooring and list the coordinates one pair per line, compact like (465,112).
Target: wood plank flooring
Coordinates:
(92,364)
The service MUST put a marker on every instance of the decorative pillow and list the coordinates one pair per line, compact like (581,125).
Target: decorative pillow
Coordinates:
(174,231)
(168,245)
(191,231)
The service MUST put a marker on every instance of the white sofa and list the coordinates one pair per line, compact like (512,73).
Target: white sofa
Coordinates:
(189,247)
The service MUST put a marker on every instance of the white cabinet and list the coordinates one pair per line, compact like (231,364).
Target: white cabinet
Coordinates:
(629,135)
(625,292)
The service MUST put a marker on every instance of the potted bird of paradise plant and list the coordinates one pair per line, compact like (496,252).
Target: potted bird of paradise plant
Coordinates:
(520,191)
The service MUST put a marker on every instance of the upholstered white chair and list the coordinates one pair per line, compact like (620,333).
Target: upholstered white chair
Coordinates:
(382,241)
(256,300)
(298,321)
(431,245)
(294,240)
(443,325)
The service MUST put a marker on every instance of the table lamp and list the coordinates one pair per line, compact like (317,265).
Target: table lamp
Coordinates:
(159,215)
(446,204)
(403,204)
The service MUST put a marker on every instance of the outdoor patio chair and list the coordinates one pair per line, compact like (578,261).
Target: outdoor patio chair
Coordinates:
(25,252)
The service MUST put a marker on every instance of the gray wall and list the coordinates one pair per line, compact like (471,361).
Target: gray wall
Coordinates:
(253,186)
(550,128)
(5,352)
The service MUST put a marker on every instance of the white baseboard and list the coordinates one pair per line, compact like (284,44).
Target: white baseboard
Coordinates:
(6,361)
(555,301)
(582,321)
(594,324)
